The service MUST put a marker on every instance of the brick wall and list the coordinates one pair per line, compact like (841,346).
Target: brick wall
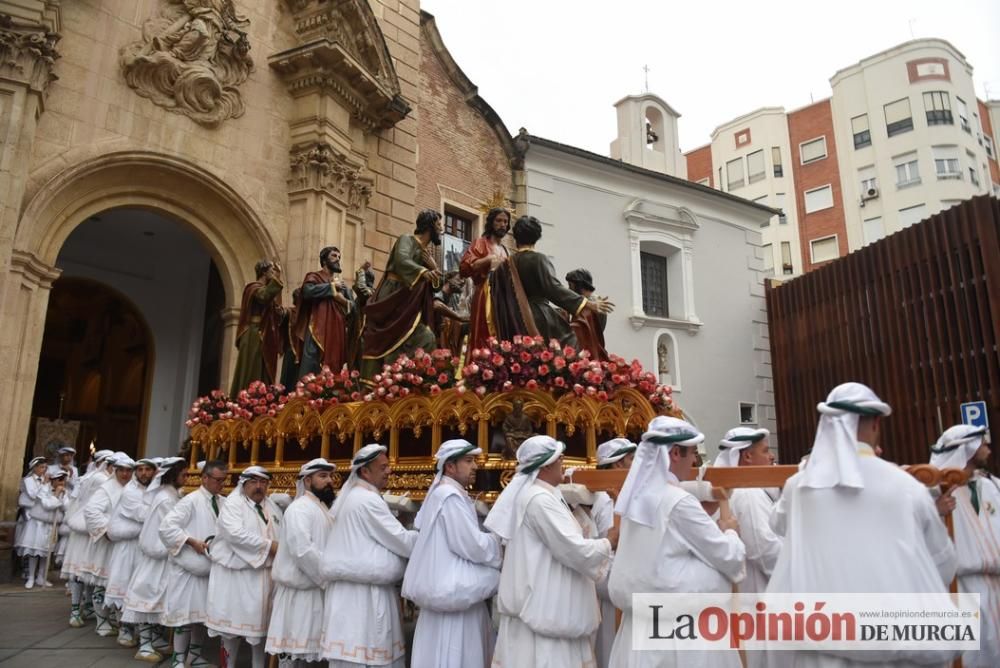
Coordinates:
(803,125)
(699,164)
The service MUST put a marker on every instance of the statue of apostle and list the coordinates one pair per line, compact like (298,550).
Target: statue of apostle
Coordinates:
(484,255)
(258,334)
(399,316)
(588,326)
(322,320)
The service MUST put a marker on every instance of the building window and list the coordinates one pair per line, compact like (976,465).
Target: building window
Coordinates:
(873,229)
(973,172)
(720,179)
(748,413)
(734,173)
(819,199)
(862,133)
(825,249)
(768,252)
(963,115)
(907,173)
(779,204)
(456,239)
(654,284)
(776,161)
(912,214)
(979,128)
(786,258)
(988,144)
(946,162)
(812,150)
(897,117)
(755,166)
(869,184)
(937,105)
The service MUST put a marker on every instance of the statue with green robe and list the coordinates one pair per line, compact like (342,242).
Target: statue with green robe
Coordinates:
(258,334)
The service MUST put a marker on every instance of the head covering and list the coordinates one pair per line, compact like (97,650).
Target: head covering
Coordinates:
(447,451)
(534,453)
(614,450)
(35,462)
(63,450)
(58,474)
(363,456)
(250,473)
(650,471)
(307,469)
(147,461)
(956,446)
(581,277)
(736,441)
(200,466)
(122,461)
(165,465)
(834,459)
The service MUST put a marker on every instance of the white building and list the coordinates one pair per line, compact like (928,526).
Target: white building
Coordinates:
(681,261)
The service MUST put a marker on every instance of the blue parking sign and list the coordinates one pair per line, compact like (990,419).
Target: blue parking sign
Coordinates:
(974,413)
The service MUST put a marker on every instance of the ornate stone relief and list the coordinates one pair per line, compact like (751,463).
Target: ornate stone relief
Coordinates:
(320,166)
(27,52)
(191,60)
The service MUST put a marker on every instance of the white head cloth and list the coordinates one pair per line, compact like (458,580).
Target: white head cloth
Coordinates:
(250,473)
(200,466)
(58,474)
(363,456)
(736,441)
(956,446)
(165,465)
(63,450)
(834,460)
(457,447)
(310,467)
(614,450)
(35,462)
(148,461)
(650,471)
(534,453)
(122,460)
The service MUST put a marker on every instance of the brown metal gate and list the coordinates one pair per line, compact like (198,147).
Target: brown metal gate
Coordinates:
(916,316)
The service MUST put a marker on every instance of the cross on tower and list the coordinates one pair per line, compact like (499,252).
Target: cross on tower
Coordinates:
(645,71)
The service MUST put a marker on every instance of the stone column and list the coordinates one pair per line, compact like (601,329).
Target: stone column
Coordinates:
(227,365)
(28,36)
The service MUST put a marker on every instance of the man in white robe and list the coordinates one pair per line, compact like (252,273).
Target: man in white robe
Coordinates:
(143,604)
(78,541)
(123,532)
(976,519)
(297,609)
(853,522)
(97,514)
(64,459)
(752,506)
(187,531)
(617,453)
(454,568)
(239,586)
(38,538)
(669,544)
(547,599)
(27,497)
(365,558)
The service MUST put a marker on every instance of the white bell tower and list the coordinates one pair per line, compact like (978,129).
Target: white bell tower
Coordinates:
(647,135)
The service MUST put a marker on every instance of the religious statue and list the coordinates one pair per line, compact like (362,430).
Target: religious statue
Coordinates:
(321,323)
(484,255)
(452,322)
(258,334)
(399,316)
(291,350)
(663,358)
(516,427)
(588,326)
(523,287)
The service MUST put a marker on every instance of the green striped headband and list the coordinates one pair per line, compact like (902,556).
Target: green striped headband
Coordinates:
(538,461)
(852,407)
(959,443)
(744,438)
(366,459)
(669,439)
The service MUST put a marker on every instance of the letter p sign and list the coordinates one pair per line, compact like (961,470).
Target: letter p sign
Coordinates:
(974,413)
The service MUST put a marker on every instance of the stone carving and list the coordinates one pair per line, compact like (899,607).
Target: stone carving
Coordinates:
(320,166)
(191,60)
(517,426)
(663,355)
(28,52)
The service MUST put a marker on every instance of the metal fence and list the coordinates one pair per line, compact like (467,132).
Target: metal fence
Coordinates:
(916,316)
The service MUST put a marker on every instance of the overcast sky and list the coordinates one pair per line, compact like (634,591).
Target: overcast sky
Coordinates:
(556,67)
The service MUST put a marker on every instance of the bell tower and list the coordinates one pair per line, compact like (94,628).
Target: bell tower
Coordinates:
(647,135)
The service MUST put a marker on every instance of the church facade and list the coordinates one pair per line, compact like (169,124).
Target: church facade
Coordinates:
(154,151)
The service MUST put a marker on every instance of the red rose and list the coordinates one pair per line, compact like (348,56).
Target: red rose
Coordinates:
(602,395)
(543,370)
(560,381)
(559,363)
(515,368)
(435,390)
(525,356)
(531,384)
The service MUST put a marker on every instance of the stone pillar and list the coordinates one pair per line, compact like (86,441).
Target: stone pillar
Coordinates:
(28,36)
(227,364)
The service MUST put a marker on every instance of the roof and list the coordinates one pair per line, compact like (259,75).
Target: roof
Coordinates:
(642,171)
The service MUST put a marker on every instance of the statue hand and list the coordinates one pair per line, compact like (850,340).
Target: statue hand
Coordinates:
(601,305)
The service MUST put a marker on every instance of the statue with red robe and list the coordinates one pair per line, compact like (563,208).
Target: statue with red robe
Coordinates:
(587,325)
(258,334)
(321,323)
(484,255)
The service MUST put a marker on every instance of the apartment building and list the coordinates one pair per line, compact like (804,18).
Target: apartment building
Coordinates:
(901,137)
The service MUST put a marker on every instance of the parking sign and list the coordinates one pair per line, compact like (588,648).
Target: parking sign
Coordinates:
(974,413)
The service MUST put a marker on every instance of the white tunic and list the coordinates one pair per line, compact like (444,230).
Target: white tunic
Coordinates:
(884,537)
(297,611)
(78,542)
(453,571)
(27,493)
(187,571)
(683,552)
(977,544)
(38,537)
(148,585)
(547,599)
(752,509)
(365,559)
(123,530)
(239,586)
(603,517)
(97,514)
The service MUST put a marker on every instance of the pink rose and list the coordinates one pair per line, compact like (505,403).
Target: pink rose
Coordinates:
(531,384)
(515,368)
(602,395)
(559,363)
(443,378)
(560,381)
(487,375)
(543,370)
(435,390)
(525,356)
(480,390)
(505,346)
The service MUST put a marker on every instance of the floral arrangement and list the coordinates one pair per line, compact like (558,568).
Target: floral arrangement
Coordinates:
(328,387)
(205,410)
(259,399)
(424,373)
